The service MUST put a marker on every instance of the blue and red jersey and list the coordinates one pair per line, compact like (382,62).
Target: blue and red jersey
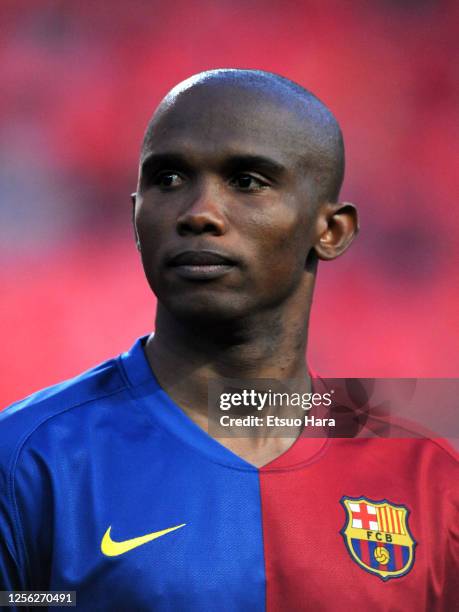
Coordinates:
(108,489)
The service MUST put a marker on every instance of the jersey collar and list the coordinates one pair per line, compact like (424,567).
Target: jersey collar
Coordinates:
(171,417)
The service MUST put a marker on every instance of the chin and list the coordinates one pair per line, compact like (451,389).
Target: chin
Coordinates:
(205,311)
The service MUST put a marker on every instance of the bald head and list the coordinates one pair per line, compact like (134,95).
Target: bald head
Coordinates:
(305,123)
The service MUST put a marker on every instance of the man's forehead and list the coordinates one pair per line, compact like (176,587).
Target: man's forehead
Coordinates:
(230,118)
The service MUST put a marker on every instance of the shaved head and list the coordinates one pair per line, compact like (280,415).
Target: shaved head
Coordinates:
(316,135)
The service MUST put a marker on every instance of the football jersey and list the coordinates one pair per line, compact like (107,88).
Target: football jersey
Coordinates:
(109,489)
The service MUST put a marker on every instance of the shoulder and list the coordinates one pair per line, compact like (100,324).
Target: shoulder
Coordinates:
(22,419)
(35,433)
(427,466)
(408,449)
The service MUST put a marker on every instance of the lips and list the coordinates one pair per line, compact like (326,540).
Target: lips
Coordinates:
(201,265)
(200,258)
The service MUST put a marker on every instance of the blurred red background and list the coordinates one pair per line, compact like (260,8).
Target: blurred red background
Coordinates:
(80,81)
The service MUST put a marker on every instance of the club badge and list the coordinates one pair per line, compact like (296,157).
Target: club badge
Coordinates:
(377,536)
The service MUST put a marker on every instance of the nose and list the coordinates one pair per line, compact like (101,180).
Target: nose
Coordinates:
(204,214)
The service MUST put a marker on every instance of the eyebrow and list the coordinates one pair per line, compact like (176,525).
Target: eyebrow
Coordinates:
(260,162)
(154,161)
(232,163)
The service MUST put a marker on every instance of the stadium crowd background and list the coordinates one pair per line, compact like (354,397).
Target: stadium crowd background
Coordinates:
(79,81)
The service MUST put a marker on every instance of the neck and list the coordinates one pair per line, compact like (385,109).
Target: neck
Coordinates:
(271,344)
(185,355)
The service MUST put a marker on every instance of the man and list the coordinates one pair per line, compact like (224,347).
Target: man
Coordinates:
(110,484)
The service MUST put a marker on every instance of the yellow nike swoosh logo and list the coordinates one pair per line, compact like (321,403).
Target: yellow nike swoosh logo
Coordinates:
(110,548)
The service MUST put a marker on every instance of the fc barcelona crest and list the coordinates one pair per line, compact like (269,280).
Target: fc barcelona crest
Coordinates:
(377,536)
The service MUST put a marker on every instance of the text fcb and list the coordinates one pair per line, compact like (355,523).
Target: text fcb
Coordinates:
(377,536)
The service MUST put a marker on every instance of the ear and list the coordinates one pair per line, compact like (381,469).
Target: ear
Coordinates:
(337,224)
(136,235)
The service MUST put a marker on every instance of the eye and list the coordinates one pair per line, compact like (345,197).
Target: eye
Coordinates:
(247,182)
(168,180)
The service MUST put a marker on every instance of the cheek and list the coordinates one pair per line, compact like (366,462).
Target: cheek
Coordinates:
(284,241)
(151,226)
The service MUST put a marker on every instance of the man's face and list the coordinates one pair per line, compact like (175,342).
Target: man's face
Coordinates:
(224,208)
